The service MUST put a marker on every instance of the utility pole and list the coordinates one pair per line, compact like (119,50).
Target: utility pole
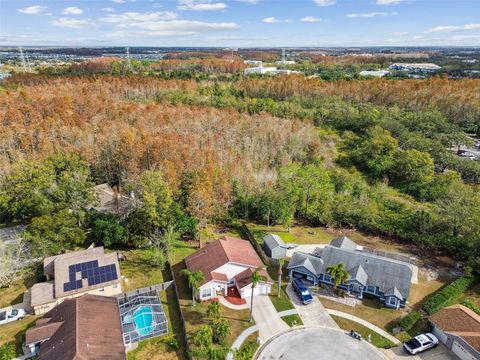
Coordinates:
(22,58)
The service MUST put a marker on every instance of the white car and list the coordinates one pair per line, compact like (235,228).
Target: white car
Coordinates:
(11,315)
(468,155)
(421,343)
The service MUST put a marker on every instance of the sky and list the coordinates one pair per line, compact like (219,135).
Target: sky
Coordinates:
(240,23)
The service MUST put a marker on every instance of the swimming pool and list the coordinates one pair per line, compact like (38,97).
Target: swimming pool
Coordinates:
(143,318)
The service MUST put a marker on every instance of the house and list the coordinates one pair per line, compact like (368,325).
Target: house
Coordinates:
(458,328)
(369,274)
(227,264)
(69,275)
(111,201)
(274,246)
(86,327)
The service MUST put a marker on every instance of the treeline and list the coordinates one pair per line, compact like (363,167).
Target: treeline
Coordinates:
(382,168)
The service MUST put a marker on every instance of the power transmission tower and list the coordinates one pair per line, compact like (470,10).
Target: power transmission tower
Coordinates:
(129,61)
(22,58)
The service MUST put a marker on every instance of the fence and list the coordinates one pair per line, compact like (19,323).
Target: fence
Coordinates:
(182,318)
(257,247)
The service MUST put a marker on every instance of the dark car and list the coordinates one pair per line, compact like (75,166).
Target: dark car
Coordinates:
(302,291)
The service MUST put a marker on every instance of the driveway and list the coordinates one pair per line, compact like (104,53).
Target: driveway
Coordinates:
(438,353)
(313,314)
(268,321)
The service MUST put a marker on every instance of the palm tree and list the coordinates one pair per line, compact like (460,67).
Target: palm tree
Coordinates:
(280,266)
(256,278)
(338,273)
(194,280)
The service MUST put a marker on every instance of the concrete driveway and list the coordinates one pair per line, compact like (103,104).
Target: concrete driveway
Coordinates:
(266,317)
(438,353)
(313,314)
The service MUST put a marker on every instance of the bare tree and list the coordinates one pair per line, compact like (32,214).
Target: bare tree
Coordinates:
(14,257)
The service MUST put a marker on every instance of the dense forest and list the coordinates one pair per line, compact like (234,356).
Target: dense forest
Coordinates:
(378,155)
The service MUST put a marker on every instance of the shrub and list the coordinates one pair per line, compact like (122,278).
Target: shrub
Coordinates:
(410,320)
(8,351)
(471,306)
(448,295)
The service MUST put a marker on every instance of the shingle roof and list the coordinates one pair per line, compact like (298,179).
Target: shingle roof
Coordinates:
(461,321)
(343,242)
(245,277)
(220,252)
(273,241)
(42,332)
(358,273)
(312,263)
(90,329)
(382,272)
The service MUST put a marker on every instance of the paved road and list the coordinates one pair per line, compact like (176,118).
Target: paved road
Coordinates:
(317,343)
(266,317)
(313,314)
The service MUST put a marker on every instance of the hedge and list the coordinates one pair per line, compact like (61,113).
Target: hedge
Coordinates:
(410,320)
(471,306)
(448,295)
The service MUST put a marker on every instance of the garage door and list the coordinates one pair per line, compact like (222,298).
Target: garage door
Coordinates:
(260,289)
(462,353)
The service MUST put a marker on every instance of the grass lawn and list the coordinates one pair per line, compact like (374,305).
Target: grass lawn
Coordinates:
(376,339)
(248,348)
(13,294)
(473,295)
(138,274)
(14,332)
(371,310)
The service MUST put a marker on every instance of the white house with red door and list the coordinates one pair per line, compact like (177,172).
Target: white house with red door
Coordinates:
(228,264)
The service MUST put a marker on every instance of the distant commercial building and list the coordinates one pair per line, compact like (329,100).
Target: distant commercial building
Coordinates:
(416,67)
(73,274)
(374,73)
(269,70)
(253,62)
(285,62)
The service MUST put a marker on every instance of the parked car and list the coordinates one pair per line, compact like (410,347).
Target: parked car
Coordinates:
(11,315)
(467,154)
(421,343)
(302,291)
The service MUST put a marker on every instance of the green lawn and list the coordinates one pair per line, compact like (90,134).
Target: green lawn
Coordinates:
(376,339)
(15,332)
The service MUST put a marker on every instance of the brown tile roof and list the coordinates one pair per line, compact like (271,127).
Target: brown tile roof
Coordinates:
(90,330)
(220,252)
(459,320)
(42,332)
(245,277)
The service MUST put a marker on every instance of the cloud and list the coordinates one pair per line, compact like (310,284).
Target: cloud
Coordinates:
(388,2)
(271,20)
(325,2)
(465,37)
(452,28)
(73,10)
(33,10)
(310,19)
(108,9)
(161,23)
(200,5)
(72,23)
(119,1)
(250,1)
(400,33)
(135,18)
(370,15)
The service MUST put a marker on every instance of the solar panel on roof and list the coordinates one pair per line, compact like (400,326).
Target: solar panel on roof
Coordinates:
(92,272)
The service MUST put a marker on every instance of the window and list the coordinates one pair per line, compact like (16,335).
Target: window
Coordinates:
(206,293)
(392,300)
(114,286)
(370,289)
(102,289)
(327,278)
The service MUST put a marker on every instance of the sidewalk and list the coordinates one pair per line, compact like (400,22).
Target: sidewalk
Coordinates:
(366,324)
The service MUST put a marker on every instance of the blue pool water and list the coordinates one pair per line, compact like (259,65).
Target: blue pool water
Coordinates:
(143,318)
